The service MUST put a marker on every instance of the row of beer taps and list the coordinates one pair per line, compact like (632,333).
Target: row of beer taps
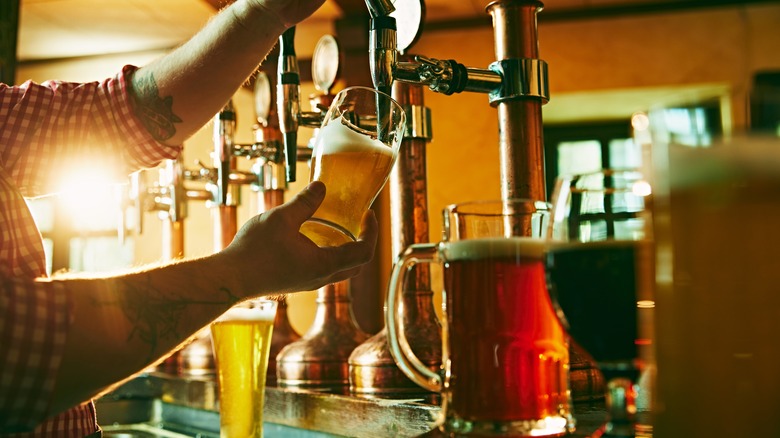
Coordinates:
(335,355)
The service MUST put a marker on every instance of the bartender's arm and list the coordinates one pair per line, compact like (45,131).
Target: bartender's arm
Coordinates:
(177,94)
(122,324)
(119,325)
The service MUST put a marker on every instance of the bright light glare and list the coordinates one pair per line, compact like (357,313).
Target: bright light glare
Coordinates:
(640,121)
(91,198)
(642,188)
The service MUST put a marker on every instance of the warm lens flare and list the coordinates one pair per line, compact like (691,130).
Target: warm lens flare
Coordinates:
(91,198)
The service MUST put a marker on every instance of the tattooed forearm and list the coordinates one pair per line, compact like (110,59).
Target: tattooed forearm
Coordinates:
(155,315)
(155,112)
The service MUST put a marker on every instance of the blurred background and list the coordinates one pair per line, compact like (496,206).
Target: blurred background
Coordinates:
(713,65)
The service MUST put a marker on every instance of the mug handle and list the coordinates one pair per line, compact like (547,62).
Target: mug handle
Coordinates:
(400,349)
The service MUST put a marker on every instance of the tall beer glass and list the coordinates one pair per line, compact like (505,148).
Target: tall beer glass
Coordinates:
(242,340)
(505,355)
(354,152)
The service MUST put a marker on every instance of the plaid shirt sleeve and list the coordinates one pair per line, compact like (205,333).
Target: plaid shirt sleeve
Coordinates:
(45,128)
(48,128)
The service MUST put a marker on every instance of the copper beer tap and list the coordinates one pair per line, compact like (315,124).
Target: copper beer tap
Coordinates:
(319,359)
(373,371)
(516,85)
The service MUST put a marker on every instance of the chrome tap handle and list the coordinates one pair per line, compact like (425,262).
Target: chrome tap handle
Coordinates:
(383,52)
(224,134)
(288,99)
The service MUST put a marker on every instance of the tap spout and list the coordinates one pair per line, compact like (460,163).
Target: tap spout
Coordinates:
(383,50)
(224,134)
(288,99)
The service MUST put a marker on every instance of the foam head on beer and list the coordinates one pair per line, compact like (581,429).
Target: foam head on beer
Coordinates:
(353,166)
(243,313)
(341,136)
(472,249)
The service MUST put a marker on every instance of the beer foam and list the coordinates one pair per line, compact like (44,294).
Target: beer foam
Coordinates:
(337,136)
(241,313)
(495,247)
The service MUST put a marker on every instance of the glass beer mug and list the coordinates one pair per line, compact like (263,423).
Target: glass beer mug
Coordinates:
(505,355)
(354,152)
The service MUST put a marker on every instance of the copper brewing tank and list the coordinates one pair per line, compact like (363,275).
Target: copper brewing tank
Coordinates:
(372,369)
(318,361)
(521,150)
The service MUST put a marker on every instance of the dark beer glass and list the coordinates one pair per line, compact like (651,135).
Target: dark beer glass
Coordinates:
(505,354)
(599,278)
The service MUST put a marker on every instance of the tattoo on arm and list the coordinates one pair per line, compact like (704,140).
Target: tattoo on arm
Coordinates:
(155,112)
(156,315)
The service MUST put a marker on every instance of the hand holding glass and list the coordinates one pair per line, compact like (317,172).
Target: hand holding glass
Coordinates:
(354,152)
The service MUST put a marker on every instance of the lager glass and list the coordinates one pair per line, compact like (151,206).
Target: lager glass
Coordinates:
(505,354)
(242,340)
(354,151)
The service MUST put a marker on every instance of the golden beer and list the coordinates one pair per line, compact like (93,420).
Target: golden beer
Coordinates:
(354,167)
(242,340)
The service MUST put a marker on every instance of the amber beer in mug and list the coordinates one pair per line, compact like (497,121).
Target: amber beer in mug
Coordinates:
(505,353)
(242,341)
(354,152)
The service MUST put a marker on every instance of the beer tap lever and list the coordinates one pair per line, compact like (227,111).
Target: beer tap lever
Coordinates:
(224,132)
(383,50)
(288,100)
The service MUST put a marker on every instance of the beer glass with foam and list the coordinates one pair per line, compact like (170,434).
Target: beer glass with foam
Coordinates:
(354,151)
(505,354)
(242,341)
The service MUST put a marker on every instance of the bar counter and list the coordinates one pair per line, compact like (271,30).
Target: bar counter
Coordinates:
(158,405)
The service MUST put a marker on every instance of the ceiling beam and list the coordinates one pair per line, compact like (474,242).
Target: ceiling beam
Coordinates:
(595,12)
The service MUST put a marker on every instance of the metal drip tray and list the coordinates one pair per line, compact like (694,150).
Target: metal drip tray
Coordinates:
(142,431)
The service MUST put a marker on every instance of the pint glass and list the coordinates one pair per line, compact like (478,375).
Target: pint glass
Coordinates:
(505,355)
(353,154)
(242,340)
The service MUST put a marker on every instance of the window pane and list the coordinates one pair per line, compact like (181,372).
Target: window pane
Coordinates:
(624,153)
(575,157)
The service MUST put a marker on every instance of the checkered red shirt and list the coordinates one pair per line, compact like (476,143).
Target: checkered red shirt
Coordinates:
(43,128)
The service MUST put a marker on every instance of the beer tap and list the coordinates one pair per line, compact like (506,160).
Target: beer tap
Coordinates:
(516,85)
(382,44)
(288,101)
(373,372)
(319,359)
